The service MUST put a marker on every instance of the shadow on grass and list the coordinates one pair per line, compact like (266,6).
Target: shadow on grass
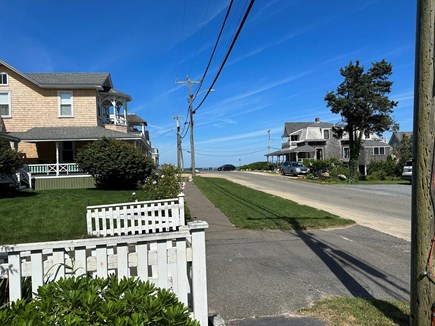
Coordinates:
(18,194)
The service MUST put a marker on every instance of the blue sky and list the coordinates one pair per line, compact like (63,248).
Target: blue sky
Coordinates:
(286,58)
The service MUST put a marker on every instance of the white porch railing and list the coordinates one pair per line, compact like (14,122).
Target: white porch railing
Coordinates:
(136,217)
(171,260)
(53,168)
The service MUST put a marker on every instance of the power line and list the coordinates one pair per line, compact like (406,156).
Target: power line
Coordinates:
(214,49)
(228,53)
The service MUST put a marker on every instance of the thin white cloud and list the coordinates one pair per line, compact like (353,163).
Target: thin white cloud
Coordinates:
(237,137)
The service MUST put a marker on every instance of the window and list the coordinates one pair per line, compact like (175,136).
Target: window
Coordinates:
(65,104)
(5,104)
(378,150)
(346,152)
(326,133)
(3,78)
(294,137)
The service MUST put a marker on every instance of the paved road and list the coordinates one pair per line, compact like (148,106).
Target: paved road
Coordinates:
(264,277)
(385,208)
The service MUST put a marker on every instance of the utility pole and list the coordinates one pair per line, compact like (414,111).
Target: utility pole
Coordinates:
(423,177)
(190,99)
(180,163)
(268,145)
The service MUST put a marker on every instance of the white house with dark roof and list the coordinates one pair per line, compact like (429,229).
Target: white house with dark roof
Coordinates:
(314,140)
(55,114)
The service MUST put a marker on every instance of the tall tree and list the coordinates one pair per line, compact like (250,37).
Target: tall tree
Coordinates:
(362,101)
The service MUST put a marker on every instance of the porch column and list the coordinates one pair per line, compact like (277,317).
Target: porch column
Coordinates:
(57,158)
(124,104)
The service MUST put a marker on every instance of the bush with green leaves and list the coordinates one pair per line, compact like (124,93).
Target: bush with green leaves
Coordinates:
(258,166)
(322,165)
(115,164)
(380,170)
(163,183)
(10,160)
(98,301)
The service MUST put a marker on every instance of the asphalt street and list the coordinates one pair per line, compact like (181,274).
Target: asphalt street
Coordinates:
(265,277)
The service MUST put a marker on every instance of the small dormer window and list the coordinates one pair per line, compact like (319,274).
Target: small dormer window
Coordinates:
(326,133)
(3,78)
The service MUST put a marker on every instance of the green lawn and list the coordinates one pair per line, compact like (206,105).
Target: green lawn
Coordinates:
(51,214)
(249,208)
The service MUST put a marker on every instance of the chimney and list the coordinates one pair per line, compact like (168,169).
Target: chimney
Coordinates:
(317,120)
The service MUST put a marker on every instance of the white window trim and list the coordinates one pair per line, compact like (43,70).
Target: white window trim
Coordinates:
(344,156)
(7,79)
(379,150)
(60,102)
(329,133)
(9,103)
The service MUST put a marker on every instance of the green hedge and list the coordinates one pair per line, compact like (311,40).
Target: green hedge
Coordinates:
(98,301)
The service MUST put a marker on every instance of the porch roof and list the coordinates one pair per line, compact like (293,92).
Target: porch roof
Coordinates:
(8,137)
(44,134)
(299,149)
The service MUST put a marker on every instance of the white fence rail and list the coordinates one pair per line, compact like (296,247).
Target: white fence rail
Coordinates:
(61,168)
(136,217)
(171,260)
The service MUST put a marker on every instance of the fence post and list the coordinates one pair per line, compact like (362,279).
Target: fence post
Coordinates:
(199,271)
(181,208)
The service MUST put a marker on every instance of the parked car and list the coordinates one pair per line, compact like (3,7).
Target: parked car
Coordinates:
(294,168)
(407,171)
(227,167)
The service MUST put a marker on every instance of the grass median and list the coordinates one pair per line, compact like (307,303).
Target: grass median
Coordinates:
(249,208)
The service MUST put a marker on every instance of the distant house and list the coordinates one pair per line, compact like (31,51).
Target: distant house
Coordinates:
(56,114)
(397,137)
(314,140)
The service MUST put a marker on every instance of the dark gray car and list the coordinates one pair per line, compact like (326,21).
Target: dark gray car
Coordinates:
(294,168)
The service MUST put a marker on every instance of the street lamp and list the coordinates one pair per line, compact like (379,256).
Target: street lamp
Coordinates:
(191,98)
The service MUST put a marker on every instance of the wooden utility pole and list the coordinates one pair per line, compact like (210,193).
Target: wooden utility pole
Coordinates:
(190,99)
(422,227)
(180,162)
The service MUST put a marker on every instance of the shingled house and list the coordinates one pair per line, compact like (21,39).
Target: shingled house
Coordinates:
(314,140)
(55,114)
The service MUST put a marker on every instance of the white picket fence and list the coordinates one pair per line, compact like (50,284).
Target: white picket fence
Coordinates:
(172,260)
(136,217)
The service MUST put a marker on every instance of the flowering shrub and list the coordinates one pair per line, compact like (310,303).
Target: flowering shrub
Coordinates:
(163,183)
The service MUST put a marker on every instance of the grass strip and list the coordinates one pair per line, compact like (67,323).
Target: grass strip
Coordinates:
(249,208)
(341,311)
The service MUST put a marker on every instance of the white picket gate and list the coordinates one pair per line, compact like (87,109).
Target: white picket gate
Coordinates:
(173,260)
(136,217)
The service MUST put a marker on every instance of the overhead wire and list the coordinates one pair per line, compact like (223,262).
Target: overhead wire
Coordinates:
(214,49)
(227,54)
(228,155)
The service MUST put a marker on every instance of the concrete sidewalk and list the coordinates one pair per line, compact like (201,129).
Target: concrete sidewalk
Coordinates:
(222,233)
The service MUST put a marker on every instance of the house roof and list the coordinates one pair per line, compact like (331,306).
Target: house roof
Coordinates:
(292,127)
(399,135)
(134,119)
(8,137)
(299,149)
(76,80)
(374,143)
(115,92)
(43,134)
